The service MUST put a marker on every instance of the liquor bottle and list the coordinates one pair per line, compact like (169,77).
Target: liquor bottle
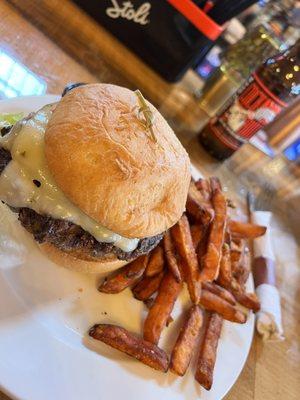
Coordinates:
(271,88)
(238,62)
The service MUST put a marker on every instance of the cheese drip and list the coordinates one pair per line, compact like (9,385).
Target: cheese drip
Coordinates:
(27,182)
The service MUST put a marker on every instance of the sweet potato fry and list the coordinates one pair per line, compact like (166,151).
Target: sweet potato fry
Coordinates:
(236,257)
(244,267)
(236,286)
(129,343)
(125,276)
(146,287)
(211,260)
(203,185)
(248,300)
(225,274)
(162,307)
(219,291)
(245,230)
(186,341)
(156,262)
(237,245)
(214,303)
(198,233)
(149,303)
(198,207)
(227,237)
(181,235)
(201,249)
(170,254)
(208,351)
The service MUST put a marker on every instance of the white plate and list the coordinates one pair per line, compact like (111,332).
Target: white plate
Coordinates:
(46,310)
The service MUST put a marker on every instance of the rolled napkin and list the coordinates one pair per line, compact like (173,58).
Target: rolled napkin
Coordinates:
(268,319)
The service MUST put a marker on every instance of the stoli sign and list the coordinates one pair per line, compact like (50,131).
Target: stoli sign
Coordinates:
(165,34)
(126,10)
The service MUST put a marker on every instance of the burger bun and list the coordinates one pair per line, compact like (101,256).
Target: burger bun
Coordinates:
(67,260)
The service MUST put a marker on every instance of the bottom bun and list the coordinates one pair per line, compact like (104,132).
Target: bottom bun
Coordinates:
(76,264)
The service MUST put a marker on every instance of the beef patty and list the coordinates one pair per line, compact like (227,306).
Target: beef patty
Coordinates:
(70,237)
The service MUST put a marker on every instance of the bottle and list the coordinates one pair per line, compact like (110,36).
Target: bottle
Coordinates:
(238,62)
(271,88)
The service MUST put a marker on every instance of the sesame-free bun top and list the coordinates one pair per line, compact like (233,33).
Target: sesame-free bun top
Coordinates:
(106,161)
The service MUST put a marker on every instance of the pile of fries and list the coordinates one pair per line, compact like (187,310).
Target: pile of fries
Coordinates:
(207,251)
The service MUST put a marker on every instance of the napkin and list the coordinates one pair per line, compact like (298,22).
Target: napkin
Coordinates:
(268,319)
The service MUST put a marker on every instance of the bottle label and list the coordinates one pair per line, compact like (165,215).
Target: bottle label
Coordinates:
(253,108)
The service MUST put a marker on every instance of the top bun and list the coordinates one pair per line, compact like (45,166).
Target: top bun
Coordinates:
(106,162)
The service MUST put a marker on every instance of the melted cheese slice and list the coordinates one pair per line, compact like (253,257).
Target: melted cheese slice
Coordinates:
(17,188)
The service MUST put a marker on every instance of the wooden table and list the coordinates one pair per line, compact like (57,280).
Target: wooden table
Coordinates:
(58,52)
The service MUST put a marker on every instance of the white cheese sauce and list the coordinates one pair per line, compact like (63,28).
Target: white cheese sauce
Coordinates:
(28,165)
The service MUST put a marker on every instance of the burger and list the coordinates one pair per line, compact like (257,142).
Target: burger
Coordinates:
(96,178)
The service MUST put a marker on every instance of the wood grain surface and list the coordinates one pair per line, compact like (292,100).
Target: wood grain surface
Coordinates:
(70,47)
